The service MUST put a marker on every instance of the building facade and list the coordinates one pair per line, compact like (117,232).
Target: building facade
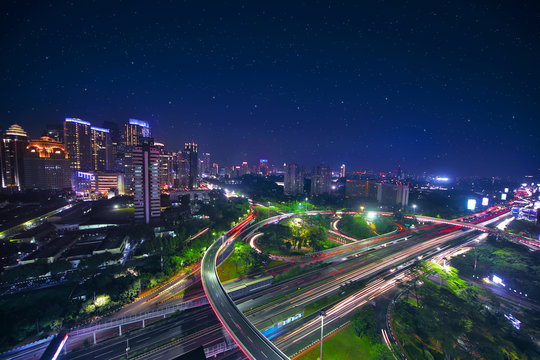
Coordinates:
(146,181)
(135,130)
(393,194)
(191,155)
(361,188)
(103,182)
(46,165)
(78,144)
(13,148)
(101,149)
(293,179)
(321,178)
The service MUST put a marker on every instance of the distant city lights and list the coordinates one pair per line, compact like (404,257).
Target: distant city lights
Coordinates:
(442,178)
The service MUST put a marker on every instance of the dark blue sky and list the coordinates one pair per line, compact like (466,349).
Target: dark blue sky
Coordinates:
(443,87)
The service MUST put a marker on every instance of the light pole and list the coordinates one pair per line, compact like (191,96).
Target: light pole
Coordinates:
(414,208)
(322,315)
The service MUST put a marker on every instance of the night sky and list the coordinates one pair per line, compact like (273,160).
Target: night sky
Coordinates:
(451,88)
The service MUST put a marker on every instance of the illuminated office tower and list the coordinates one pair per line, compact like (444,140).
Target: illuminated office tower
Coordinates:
(166,173)
(13,148)
(190,152)
(78,144)
(205,164)
(263,167)
(146,181)
(134,131)
(342,172)
(101,149)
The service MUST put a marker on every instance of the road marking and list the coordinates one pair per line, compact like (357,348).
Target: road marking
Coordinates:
(102,354)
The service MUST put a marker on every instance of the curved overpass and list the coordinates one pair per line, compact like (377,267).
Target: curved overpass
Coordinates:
(254,344)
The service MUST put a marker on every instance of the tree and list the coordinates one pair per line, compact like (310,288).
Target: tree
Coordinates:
(365,324)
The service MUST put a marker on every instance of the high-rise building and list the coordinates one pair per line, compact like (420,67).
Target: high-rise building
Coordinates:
(205,164)
(399,172)
(181,170)
(103,182)
(244,169)
(361,188)
(321,177)
(46,165)
(13,147)
(114,131)
(78,144)
(146,184)
(54,131)
(293,181)
(393,194)
(342,172)
(166,178)
(190,152)
(135,130)
(101,149)
(263,167)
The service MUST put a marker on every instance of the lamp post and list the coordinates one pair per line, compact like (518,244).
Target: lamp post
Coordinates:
(322,314)
(414,208)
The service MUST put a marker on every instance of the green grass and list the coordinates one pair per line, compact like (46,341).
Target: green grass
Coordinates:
(320,304)
(345,345)
(230,272)
(450,276)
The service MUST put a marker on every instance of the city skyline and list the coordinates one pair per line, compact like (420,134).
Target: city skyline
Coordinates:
(309,83)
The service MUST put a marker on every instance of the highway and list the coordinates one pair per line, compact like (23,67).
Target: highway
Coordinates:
(249,339)
(350,262)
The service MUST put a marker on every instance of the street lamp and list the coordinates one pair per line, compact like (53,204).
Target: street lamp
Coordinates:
(322,314)
(414,207)
(362,208)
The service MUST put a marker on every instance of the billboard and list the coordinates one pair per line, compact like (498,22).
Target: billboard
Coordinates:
(471,204)
(503,196)
(485,201)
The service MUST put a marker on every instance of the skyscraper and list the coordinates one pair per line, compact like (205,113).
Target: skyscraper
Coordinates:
(134,131)
(190,151)
(342,174)
(166,173)
(293,181)
(54,131)
(321,177)
(393,194)
(78,144)
(13,148)
(263,167)
(205,164)
(46,165)
(101,149)
(146,181)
